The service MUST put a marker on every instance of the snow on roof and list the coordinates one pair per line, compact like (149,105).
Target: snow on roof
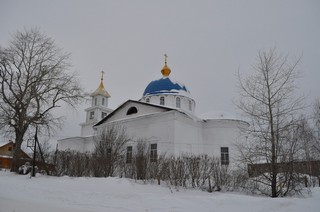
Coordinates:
(218,115)
(164,86)
(2,143)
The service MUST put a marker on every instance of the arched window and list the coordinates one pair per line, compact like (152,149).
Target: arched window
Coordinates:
(147,100)
(132,110)
(102,100)
(190,105)
(162,100)
(178,102)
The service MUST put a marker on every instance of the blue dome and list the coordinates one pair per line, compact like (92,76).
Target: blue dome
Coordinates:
(164,85)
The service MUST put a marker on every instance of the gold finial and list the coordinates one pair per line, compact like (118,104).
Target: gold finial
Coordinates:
(101,86)
(165,70)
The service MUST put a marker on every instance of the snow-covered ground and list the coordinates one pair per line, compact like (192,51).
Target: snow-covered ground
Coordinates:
(44,193)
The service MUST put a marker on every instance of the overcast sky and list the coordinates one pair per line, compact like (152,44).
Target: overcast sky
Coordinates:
(206,41)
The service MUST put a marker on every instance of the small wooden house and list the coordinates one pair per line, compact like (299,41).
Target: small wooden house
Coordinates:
(6,154)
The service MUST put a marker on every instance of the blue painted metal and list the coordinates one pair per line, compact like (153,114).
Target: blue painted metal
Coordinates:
(164,85)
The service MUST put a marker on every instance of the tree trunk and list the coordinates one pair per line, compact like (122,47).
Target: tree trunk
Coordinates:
(274,185)
(274,170)
(16,152)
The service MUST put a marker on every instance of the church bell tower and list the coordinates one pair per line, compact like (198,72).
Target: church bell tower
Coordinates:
(98,109)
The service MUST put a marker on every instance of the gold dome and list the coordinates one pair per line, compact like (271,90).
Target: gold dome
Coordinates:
(165,70)
(101,90)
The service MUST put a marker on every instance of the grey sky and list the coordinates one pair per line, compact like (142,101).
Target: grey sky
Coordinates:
(206,41)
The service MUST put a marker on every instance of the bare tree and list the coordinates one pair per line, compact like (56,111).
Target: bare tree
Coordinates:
(158,168)
(177,172)
(109,150)
(316,118)
(269,102)
(33,82)
(142,158)
(307,140)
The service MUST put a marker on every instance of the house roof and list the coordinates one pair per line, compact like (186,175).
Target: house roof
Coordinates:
(203,118)
(10,153)
(124,104)
(10,143)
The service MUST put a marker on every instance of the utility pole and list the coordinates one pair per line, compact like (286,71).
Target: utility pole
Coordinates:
(33,174)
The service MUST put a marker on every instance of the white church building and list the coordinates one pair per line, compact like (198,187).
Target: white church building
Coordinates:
(165,117)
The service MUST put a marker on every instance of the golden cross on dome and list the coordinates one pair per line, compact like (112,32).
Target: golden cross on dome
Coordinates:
(165,58)
(165,70)
(102,73)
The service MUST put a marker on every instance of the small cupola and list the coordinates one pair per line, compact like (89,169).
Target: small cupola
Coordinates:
(165,70)
(101,90)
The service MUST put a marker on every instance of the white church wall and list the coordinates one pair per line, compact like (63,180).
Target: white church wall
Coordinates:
(80,144)
(155,128)
(89,144)
(170,101)
(219,133)
(86,128)
(188,135)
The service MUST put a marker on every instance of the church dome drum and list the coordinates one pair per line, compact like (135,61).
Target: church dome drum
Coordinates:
(167,92)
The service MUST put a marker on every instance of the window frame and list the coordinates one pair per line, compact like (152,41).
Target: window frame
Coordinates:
(178,102)
(109,153)
(162,100)
(91,115)
(224,156)
(129,154)
(153,153)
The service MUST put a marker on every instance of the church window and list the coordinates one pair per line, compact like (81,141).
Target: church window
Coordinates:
(153,153)
(103,114)
(132,110)
(178,102)
(92,115)
(190,105)
(109,154)
(103,101)
(95,101)
(162,100)
(224,155)
(129,154)
(147,100)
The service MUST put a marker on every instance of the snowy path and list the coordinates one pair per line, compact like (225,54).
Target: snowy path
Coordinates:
(20,193)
